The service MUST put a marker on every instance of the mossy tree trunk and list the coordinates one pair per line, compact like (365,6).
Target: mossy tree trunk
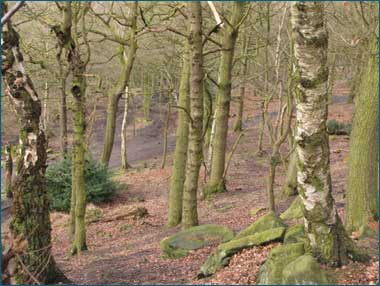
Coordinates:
(216,183)
(116,93)
(362,196)
(8,171)
(68,40)
(207,115)
(180,153)
(62,74)
(147,94)
(240,100)
(194,158)
(327,237)
(290,184)
(30,209)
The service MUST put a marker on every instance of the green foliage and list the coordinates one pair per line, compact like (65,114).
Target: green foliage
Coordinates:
(337,128)
(99,187)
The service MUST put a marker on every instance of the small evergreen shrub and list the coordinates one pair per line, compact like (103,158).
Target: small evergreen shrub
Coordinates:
(99,187)
(337,128)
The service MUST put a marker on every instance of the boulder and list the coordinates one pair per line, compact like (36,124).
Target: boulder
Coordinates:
(295,233)
(305,270)
(268,221)
(295,211)
(179,244)
(221,256)
(280,256)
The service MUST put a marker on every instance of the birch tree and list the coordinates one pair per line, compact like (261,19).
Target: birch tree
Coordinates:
(326,235)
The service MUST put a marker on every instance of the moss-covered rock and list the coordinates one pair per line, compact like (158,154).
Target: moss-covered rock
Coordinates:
(295,233)
(268,221)
(305,270)
(223,253)
(179,244)
(280,256)
(295,211)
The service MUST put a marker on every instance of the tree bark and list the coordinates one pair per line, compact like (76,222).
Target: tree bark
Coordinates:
(362,195)
(327,238)
(30,209)
(180,153)
(216,183)
(8,171)
(189,212)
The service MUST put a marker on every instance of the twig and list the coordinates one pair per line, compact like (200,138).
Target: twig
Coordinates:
(11,12)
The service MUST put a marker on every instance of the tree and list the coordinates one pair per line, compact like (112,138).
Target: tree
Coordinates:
(8,170)
(244,70)
(68,37)
(118,90)
(30,211)
(326,235)
(230,34)
(123,133)
(189,212)
(180,156)
(362,195)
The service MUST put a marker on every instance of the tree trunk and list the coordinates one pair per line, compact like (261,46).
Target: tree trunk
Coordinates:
(362,195)
(124,157)
(290,185)
(216,183)
(30,209)
(166,129)
(260,150)
(189,212)
(115,93)
(8,171)
(327,237)
(207,114)
(146,100)
(180,156)
(239,120)
(63,118)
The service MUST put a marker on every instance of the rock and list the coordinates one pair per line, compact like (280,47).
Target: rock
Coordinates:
(280,256)
(93,213)
(127,212)
(305,270)
(179,244)
(255,211)
(221,256)
(295,211)
(295,233)
(268,221)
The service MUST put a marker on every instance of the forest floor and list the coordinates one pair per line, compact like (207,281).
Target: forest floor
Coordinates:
(128,251)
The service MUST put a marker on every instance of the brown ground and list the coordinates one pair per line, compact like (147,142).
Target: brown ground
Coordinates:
(127,251)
